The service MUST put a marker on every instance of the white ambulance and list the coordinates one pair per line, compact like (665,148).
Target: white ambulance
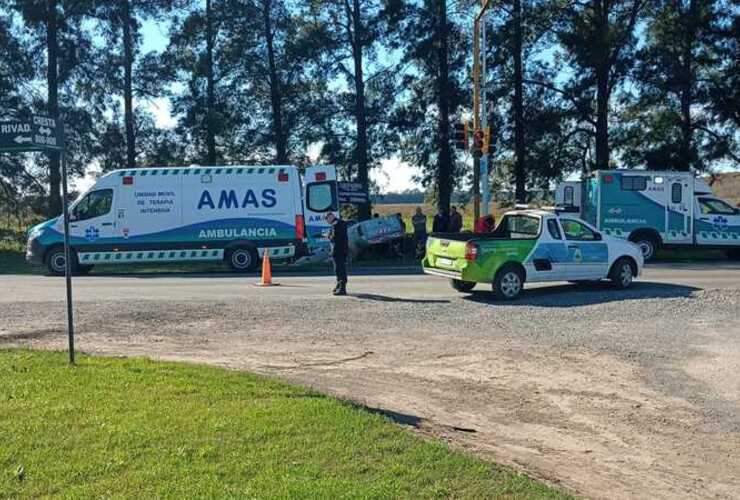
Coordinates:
(187,214)
(654,209)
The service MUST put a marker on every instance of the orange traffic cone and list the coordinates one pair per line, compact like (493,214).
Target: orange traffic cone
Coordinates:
(266,270)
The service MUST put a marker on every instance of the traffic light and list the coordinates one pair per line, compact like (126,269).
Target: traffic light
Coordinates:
(486,147)
(461,135)
(478,141)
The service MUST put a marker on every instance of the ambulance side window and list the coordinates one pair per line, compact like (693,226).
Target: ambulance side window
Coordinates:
(94,204)
(676,193)
(320,197)
(634,183)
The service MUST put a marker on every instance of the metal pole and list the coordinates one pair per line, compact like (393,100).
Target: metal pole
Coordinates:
(68,261)
(484,167)
(476,119)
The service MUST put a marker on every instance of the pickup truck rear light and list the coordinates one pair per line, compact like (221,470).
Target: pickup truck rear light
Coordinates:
(300,227)
(471,251)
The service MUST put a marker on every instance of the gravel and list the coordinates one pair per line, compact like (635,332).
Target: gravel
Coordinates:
(633,377)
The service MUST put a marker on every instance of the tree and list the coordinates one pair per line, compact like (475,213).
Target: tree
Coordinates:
(120,21)
(64,56)
(353,31)
(16,74)
(599,40)
(435,89)
(207,102)
(672,123)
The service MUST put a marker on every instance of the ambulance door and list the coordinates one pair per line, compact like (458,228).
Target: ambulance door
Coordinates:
(320,198)
(678,196)
(92,218)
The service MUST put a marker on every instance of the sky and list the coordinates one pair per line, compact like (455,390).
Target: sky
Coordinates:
(393,175)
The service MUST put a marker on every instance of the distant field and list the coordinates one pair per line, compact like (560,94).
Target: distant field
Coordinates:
(727,187)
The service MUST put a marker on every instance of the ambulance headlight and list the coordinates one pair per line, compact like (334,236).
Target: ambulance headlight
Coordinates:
(35,233)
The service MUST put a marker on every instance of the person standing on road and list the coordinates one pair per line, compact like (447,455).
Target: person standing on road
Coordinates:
(456,221)
(339,251)
(419,222)
(441,222)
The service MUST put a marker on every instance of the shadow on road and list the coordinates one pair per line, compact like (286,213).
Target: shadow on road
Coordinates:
(583,295)
(276,272)
(385,298)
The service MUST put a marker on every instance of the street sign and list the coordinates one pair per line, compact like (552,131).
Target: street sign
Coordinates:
(43,133)
(35,133)
(352,193)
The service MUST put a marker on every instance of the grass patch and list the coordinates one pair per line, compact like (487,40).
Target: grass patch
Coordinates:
(141,429)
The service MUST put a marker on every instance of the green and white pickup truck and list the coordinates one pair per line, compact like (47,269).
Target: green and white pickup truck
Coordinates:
(531,246)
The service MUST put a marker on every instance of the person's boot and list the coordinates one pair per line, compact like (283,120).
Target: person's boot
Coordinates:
(341,289)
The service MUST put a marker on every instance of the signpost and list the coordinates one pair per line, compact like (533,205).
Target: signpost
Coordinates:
(43,133)
(352,193)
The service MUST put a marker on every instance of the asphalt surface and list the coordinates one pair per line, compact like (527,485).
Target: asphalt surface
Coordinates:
(715,275)
(611,394)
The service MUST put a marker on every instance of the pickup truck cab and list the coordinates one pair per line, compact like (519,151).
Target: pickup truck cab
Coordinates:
(531,246)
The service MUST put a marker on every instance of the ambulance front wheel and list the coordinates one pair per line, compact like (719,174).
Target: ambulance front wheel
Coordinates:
(56,262)
(243,259)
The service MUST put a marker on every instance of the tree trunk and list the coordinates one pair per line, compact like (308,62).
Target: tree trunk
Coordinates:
(520,173)
(602,89)
(128,62)
(444,158)
(52,83)
(360,111)
(281,154)
(687,84)
(210,90)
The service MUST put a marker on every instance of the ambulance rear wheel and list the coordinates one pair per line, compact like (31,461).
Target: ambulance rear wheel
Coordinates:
(56,262)
(648,245)
(242,260)
(462,286)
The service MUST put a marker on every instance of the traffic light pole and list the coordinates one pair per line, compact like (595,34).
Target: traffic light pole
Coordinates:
(477,107)
(484,161)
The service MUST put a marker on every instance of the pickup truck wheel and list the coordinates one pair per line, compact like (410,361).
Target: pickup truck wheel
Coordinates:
(621,274)
(463,286)
(508,283)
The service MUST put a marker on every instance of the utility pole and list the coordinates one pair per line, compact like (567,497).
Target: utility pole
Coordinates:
(477,126)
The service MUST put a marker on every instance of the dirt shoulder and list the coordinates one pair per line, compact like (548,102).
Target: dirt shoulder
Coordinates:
(628,398)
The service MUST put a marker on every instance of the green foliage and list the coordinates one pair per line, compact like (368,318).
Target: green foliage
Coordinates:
(137,428)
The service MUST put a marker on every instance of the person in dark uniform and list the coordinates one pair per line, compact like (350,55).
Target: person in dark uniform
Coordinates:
(441,222)
(339,251)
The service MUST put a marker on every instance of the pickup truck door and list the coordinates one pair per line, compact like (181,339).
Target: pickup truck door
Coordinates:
(588,255)
(549,258)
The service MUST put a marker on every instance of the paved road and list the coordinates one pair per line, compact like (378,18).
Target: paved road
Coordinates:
(227,286)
